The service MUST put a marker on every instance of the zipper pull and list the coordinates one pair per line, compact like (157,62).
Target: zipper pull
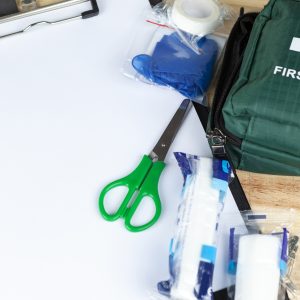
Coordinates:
(217,140)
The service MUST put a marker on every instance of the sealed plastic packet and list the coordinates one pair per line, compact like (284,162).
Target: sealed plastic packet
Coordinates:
(164,54)
(193,248)
(195,19)
(262,255)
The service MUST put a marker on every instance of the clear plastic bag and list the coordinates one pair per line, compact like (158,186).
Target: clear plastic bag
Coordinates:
(193,19)
(261,256)
(163,54)
(194,246)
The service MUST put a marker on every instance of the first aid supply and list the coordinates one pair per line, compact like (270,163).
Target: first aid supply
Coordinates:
(197,17)
(261,255)
(255,115)
(258,271)
(143,181)
(175,64)
(193,249)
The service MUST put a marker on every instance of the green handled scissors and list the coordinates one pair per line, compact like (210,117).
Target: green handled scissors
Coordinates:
(143,181)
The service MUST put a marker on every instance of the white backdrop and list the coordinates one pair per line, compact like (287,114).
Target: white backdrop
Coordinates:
(70,122)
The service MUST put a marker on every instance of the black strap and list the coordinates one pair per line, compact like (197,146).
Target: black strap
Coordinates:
(221,295)
(235,185)
(203,113)
(239,194)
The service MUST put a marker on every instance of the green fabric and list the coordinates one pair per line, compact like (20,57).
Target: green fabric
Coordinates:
(263,108)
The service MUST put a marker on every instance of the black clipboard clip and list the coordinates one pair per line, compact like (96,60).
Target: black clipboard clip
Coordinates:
(10,10)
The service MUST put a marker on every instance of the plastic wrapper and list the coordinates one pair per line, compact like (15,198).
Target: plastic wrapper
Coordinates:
(261,256)
(163,54)
(194,246)
(193,19)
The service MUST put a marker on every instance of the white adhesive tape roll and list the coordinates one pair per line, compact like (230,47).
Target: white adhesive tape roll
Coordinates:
(198,17)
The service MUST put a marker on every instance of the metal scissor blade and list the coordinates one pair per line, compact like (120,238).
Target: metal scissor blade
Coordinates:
(162,147)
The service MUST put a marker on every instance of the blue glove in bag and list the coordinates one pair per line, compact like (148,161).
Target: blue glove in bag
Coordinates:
(175,64)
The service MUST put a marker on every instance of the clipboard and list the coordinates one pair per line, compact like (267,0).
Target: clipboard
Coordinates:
(13,10)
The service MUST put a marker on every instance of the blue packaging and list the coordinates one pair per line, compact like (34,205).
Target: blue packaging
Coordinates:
(193,249)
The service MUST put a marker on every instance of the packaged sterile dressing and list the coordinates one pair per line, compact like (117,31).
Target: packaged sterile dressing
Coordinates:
(193,249)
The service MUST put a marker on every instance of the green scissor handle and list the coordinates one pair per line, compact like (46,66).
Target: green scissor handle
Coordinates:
(144,180)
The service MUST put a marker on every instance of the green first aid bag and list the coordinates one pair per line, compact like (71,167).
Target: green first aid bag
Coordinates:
(255,117)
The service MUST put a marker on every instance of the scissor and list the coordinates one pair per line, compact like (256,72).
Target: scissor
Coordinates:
(143,181)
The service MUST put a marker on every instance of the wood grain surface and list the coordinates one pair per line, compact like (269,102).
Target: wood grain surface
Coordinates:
(267,192)
(248,3)
(42,3)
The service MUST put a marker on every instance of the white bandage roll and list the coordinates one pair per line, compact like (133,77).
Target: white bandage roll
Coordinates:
(197,17)
(258,269)
(197,228)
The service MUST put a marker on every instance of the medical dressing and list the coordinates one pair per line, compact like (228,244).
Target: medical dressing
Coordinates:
(175,50)
(261,255)
(193,249)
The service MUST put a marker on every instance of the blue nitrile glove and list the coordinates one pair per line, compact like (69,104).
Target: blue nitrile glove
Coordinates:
(175,64)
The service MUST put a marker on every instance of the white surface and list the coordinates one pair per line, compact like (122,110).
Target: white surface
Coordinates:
(70,122)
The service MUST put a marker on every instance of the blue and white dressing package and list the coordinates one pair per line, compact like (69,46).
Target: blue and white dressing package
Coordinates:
(193,248)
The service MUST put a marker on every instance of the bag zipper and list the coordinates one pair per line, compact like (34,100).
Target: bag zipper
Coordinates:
(219,129)
(217,141)
(219,136)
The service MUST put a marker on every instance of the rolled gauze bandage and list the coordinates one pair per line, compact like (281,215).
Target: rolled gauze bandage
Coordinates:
(198,224)
(197,17)
(258,269)
(194,247)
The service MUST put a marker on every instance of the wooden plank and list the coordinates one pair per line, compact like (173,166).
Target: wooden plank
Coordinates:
(270,190)
(252,3)
(42,3)
(267,192)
